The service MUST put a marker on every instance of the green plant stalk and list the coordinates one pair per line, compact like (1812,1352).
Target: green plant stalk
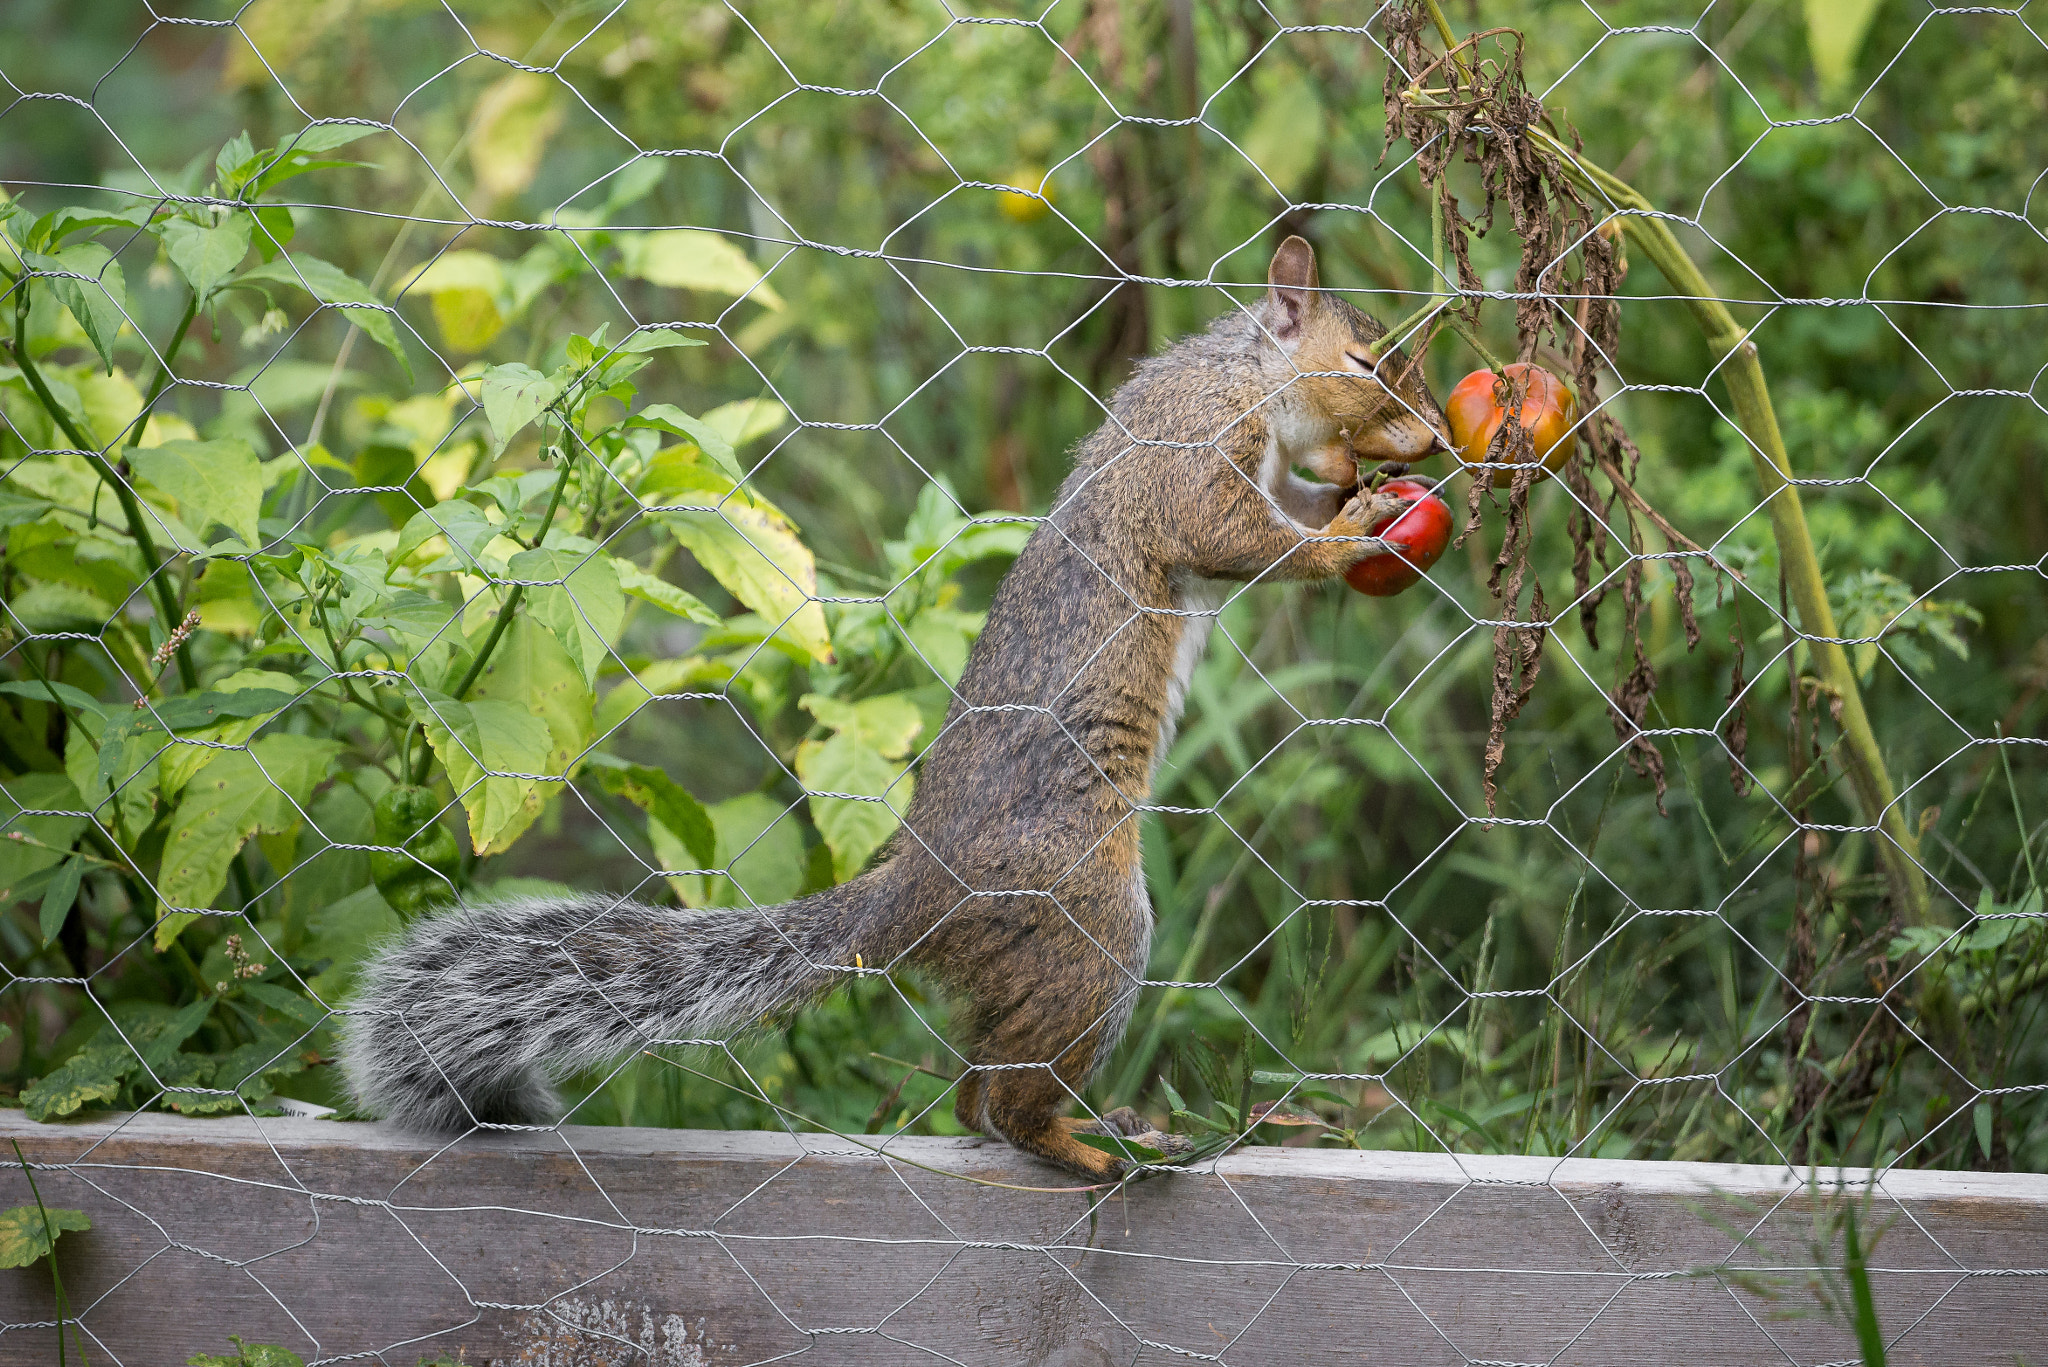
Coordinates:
(1744,377)
(56,1281)
(1869,1337)
(504,620)
(167,602)
(163,373)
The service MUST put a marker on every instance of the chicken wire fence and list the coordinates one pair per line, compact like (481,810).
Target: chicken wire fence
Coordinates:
(595,477)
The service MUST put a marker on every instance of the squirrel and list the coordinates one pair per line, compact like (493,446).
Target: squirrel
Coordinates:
(1015,878)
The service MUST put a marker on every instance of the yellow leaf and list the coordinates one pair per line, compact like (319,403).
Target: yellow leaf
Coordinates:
(514,120)
(1835,30)
(692,259)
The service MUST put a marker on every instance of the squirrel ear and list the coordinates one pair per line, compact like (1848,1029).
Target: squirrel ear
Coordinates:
(1291,287)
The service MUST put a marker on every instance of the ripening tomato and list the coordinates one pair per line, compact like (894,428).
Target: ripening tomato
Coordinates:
(1026,208)
(1421,530)
(1548,411)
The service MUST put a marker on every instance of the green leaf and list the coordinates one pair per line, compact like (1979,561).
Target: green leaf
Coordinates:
(665,801)
(60,607)
(273,231)
(709,439)
(657,339)
(745,420)
(1121,1147)
(160,1053)
(746,544)
(331,285)
(693,259)
(758,844)
(248,1355)
(514,395)
(852,829)
(71,695)
(652,588)
(204,255)
(16,511)
(585,612)
(1174,1100)
(210,481)
(887,723)
(94,1073)
(488,747)
(230,712)
(26,1237)
(262,788)
(53,835)
(533,672)
(1980,1119)
(1835,30)
(57,900)
(462,523)
(99,302)
(299,154)
(235,154)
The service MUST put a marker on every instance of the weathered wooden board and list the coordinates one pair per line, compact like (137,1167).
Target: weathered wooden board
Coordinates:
(603,1247)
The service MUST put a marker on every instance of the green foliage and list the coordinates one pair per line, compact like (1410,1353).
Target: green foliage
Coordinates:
(248,1355)
(664,687)
(453,614)
(27,1233)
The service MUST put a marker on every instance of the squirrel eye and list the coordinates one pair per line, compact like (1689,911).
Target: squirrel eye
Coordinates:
(1357,362)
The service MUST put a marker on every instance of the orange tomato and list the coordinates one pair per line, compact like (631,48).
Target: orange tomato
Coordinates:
(1548,411)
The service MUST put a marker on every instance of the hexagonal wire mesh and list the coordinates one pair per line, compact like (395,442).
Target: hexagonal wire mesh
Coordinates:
(477,539)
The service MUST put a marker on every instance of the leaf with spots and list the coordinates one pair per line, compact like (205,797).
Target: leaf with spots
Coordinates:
(26,1237)
(263,788)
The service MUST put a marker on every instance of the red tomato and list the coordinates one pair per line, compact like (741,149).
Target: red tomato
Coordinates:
(1421,531)
(1548,411)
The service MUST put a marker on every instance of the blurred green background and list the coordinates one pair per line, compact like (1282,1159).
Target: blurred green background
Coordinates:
(1344,897)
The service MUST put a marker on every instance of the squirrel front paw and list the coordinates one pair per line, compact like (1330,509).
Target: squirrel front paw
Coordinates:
(1361,512)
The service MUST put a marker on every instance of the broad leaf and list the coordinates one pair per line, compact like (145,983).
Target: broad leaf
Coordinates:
(533,672)
(230,712)
(58,898)
(710,439)
(210,481)
(652,588)
(464,524)
(21,860)
(852,829)
(204,255)
(468,294)
(99,301)
(746,544)
(94,1073)
(514,395)
(657,339)
(585,612)
(331,285)
(885,724)
(665,801)
(26,1236)
(489,748)
(262,788)
(693,259)
(745,420)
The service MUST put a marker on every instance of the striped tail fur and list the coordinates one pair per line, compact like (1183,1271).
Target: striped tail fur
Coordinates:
(471,1015)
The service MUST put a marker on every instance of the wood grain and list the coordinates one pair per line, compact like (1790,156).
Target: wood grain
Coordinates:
(589,1247)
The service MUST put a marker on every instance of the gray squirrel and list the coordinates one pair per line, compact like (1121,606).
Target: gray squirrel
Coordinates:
(1015,879)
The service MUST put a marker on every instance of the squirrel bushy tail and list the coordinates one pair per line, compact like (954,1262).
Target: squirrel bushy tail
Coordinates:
(471,1015)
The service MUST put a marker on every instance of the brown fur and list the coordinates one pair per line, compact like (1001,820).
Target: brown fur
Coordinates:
(1016,877)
